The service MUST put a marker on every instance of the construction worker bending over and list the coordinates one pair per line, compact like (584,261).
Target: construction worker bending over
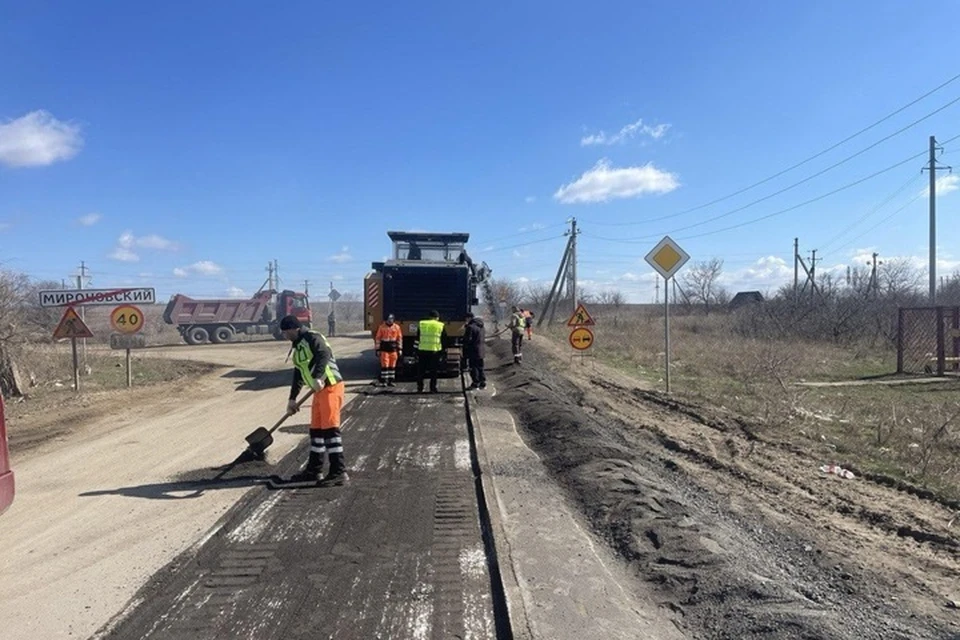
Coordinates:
(518,325)
(430,335)
(315,367)
(388,343)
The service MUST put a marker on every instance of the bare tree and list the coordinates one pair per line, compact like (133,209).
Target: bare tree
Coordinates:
(899,277)
(613,299)
(536,295)
(506,291)
(20,318)
(700,282)
(349,307)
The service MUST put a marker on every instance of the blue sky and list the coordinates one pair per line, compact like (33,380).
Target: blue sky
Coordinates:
(184,145)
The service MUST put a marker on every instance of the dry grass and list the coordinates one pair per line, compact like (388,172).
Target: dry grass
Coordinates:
(909,432)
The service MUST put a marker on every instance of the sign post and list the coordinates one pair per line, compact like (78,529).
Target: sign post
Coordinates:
(580,337)
(127,320)
(72,326)
(667,258)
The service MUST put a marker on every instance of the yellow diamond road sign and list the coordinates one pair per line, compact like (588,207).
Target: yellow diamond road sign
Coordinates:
(667,257)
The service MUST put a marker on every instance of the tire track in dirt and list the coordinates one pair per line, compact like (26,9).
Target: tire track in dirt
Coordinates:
(740,541)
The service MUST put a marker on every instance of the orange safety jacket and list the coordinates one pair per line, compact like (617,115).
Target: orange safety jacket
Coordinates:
(389,338)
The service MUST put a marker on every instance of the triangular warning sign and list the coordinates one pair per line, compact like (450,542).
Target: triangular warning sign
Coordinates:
(71,326)
(580,318)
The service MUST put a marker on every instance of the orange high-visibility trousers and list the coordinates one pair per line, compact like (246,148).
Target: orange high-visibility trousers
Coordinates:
(388,359)
(325,412)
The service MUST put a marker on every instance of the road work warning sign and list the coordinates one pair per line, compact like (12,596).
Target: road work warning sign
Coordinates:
(71,326)
(580,318)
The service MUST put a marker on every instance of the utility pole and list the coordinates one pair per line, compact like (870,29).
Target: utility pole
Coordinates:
(555,289)
(306,288)
(874,286)
(83,341)
(813,271)
(572,266)
(656,299)
(270,277)
(933,168)
(796,266)
(276,273)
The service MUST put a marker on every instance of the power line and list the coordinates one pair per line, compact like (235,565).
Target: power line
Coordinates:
(872,211)
(806,160)
(865,232)
(769,215)
(520,233)
(810,177)
(525,244)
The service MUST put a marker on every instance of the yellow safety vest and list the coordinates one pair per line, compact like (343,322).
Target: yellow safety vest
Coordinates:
(430,335)
(302,356)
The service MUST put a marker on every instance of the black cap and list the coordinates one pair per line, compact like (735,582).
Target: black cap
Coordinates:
(434,314)
(289,322)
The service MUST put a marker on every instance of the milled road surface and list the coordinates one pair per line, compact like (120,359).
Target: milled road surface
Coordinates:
(100,510)
(397,553)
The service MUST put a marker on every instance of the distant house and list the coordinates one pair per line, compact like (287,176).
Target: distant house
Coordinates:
(744,298)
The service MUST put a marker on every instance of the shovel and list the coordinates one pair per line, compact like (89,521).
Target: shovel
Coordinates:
(261,437)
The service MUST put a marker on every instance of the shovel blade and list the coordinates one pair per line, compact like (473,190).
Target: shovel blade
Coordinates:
(259,440)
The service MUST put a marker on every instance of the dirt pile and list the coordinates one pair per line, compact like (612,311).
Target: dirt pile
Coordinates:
(741,538)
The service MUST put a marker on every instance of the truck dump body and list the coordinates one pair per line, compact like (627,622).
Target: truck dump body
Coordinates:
(221,320)
(184,310)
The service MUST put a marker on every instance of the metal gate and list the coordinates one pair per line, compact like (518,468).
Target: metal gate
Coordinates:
(928,340)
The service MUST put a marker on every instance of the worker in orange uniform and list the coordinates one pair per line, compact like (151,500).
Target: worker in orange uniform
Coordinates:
(528,322)
(389,346)
(315,367)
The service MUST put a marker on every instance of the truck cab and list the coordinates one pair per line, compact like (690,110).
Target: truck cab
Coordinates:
(291,303)
(6,474)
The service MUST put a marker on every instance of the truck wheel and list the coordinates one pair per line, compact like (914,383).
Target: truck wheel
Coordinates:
(222,334)
(196,335)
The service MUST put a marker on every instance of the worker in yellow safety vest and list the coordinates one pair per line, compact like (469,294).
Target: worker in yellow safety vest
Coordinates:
(430,336)
(518,324)
(314,366)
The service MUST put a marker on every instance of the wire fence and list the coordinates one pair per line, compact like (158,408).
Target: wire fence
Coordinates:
(928,340)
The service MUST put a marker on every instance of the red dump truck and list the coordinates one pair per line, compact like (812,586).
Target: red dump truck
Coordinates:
(199,321)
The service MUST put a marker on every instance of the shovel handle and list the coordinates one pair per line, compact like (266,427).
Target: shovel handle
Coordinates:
(287,415)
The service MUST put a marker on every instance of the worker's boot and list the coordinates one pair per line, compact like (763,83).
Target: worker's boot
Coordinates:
(311,472)
(337,475)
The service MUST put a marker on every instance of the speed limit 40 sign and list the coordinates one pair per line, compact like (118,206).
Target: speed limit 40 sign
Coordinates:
(126,319)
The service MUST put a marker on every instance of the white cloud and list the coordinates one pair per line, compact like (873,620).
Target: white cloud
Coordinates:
(123,255)
(530,199)
(89,220)
(201,268)
(5,225)
(945,184)
(603,183)
(236,292)
(536,226)
(343,256)
(627,132)
(38,139)
(127,242)
(206,268)
(154,241)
